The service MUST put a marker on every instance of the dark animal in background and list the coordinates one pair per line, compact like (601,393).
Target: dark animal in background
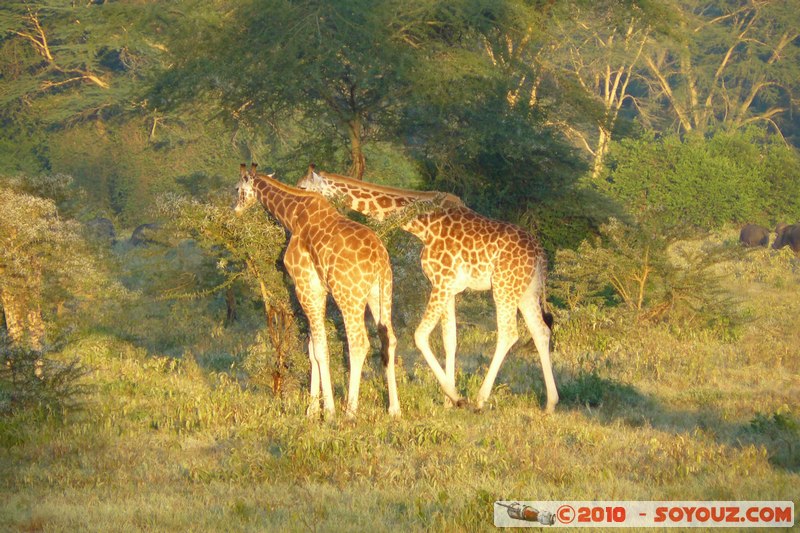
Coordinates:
(787,236)
(754,235)
(101,229)
(144,234)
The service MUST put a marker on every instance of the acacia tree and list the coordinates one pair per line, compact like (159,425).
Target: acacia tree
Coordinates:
(344,70)
(575,63)
(335,66)
(68,60)
(248,248)
(44,261)
(599,47)
(731,62)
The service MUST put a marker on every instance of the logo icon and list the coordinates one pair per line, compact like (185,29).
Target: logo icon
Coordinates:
(527,513)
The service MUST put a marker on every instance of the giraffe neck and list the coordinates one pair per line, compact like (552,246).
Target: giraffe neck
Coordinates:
(378,201)
(285,202)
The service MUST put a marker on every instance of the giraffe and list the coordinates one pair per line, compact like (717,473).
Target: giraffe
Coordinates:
(328,252)
(461,250)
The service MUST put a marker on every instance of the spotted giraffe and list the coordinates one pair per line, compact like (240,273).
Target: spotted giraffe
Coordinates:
(462,250)
(328,252)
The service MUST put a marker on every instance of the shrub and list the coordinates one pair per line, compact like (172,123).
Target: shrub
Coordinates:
(31,380)
(247,247)
(632,267)
(699,182)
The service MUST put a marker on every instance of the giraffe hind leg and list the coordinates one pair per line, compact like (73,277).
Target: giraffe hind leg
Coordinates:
(357,347)
(539,324)
(380,306)
(507,335)
(430,318)
(449,341)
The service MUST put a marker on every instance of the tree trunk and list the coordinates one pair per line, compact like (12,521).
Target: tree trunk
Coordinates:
(230,304)
(603,145)
(358,163)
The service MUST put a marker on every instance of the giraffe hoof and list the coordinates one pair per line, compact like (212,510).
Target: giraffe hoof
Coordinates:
(394,412)
(462,403)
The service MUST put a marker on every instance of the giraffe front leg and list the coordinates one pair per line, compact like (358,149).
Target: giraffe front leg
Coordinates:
(321,356)
(431,316)
(318,354)
(312,295)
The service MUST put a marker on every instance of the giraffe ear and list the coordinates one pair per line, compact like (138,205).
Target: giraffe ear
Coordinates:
(243,172)
(271,175)
(253,167)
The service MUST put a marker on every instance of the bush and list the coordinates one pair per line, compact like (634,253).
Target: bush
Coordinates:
(31,380)
(632,267)
(247,247)
(674,182)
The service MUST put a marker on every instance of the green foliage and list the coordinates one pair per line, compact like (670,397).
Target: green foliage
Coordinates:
(75,62)
(695,183)
(252,240)
(30,381)
(499,160)
(248,247)
(642,272)
(565,219)
(47,269)
(723,64)
(779,421)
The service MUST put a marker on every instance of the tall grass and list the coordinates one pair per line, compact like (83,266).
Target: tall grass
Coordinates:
(181,438)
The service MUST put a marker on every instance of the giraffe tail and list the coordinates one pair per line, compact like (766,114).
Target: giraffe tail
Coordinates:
(541,275)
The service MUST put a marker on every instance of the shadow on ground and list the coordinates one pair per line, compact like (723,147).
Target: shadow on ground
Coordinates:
(608,401)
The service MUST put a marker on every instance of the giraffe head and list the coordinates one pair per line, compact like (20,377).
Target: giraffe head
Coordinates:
(246,193)
(313,181)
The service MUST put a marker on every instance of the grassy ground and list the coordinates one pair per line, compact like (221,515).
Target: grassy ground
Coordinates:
(649,411)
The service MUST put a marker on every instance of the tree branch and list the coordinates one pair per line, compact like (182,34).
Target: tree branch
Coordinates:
(43,48)
(667,89)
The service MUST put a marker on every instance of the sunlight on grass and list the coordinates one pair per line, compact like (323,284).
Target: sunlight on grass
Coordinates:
(648,411)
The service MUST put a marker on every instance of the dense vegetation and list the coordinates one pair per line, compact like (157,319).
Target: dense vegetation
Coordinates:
(156,376)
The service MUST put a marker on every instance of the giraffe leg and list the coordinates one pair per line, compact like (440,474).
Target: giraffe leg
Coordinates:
(532,313)
(507,335)
(313,407)
(380,305)
(357,347)
(316,319)
(449,339)
(312,295)
(430,318)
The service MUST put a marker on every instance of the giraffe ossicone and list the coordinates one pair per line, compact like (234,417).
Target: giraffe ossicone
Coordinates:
(329,253)
(461,250)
